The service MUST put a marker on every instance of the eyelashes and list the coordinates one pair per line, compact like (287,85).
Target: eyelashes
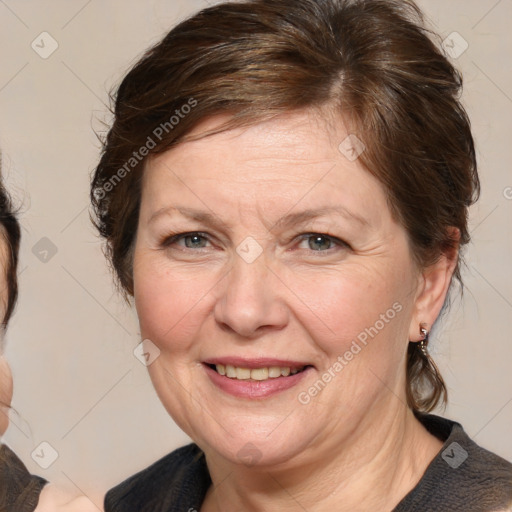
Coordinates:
(198,240)
(319,237)
(171,240)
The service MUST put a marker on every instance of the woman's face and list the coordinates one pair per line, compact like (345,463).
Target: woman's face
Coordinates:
(5,371)
(292,260)
(5,393)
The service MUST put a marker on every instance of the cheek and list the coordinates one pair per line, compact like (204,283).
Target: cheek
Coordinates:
(168,304)
(359,323)
(358,319)
(341,304)
(5,386)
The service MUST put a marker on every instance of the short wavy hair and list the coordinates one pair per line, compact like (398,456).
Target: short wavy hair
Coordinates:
(372,62)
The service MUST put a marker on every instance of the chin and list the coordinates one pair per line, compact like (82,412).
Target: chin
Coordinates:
(255,447)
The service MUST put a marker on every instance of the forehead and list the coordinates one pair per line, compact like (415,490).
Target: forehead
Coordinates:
(291,158)
(289,130)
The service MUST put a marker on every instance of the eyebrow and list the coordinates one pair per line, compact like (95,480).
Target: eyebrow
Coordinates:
(306,215)
(288,220)
(191,213)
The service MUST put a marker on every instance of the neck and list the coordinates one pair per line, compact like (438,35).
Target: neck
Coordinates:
(373,470)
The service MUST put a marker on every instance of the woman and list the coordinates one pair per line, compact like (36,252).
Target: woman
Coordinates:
(284,192)
(20,491)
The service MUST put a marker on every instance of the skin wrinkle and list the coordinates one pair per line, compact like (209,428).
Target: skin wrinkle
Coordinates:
(194,304)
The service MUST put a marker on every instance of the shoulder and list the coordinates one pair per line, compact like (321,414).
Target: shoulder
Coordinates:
(19,490)
(53,499)
(461,452)
(178,479)
(463,476)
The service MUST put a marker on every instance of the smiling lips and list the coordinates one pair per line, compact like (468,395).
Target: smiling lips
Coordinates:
(255,378)
(255,369)
(271,372)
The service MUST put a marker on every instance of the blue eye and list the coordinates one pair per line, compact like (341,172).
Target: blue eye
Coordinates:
(193,240)
(318,242)
(196,241)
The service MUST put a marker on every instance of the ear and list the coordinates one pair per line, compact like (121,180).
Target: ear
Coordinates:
(433,285)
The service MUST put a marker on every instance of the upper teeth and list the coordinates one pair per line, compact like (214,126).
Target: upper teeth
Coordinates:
(234,372)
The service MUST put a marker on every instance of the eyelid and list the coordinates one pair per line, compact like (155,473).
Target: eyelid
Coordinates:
(170,239)
(334,239)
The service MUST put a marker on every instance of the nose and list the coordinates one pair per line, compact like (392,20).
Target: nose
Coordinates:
(251,300)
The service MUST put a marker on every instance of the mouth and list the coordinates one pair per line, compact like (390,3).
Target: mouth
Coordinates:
(256,374)
(255,378)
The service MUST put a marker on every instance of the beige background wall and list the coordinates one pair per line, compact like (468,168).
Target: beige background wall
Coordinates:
(78,386)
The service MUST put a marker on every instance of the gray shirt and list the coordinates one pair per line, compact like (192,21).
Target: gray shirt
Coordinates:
(19,490)
(463,477)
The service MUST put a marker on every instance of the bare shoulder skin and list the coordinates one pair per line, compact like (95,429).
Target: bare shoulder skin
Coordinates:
(54,499)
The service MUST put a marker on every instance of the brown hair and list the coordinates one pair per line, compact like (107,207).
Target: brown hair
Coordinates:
(372,62)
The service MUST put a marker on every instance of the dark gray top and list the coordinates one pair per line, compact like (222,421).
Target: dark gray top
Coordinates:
(19,490)
(462,477)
